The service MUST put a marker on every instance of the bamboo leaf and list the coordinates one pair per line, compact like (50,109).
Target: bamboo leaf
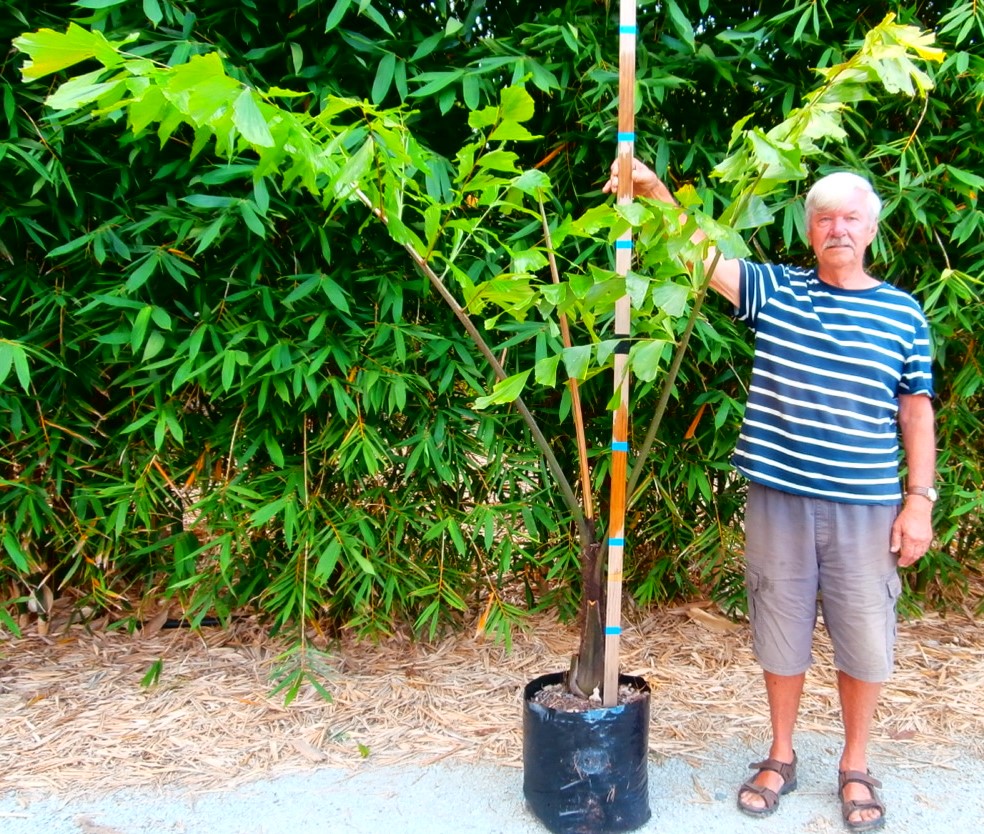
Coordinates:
(21,367)
(576,361)
(504,391)
(438,82)
(267,512)
(155,344)
(510,131)
(252,219)
(250,122)
(681,25)
(297,57)
(671,298)
(532,181)
(637,288)
(81,90)
(161,318)
(367,9)
(174,426)
(304,289)
(364,563)
(72,245)
(354,170)
(51,51)
(146,108)
(6,359)
(228,369)
(384,77)
(153,674)
(516,104)
(139,328)
(9,622)
(209,201)
(152,8)
(335,294)
(16,554)
(435,531)
(545,371)
(261,196)
(273,448)
(471,91)
(647,359)
(499,161)
(209,234)
(426,47)
(147,267)
(486,117)
(336,14)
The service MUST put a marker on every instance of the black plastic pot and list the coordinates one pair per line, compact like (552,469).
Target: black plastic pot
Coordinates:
(587,772)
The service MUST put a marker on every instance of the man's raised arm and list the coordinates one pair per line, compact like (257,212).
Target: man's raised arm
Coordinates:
(645,183)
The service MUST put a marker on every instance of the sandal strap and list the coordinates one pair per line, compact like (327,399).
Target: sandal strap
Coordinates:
(769,796)
(845,777)
(786,770)
(852,805)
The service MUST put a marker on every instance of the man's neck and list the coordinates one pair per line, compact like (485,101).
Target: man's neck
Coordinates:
(849,278)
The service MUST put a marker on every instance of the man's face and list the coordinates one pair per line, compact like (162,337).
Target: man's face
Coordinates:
(840,236)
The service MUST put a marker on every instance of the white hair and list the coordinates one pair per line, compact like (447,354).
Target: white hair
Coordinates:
(833,190)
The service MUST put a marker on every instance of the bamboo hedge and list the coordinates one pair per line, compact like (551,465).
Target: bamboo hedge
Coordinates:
(214,391)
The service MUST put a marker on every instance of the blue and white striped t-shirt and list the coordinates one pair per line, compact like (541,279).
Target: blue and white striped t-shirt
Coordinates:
(821,418)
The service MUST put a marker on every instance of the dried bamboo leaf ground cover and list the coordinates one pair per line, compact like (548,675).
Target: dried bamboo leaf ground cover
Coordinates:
(76,719)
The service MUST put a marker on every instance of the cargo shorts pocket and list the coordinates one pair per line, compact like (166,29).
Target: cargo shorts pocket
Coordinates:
(753,583)
(893,586)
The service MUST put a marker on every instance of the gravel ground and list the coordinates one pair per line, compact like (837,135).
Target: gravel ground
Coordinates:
(927,791)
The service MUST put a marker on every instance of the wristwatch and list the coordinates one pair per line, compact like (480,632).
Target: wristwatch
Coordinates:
(929,493)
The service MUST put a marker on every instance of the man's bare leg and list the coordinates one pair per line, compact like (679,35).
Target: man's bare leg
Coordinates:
(858,702)
(784,693)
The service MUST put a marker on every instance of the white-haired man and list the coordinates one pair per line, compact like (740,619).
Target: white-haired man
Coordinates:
(842,370)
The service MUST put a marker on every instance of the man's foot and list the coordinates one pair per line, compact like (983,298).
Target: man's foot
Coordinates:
(759,796)
(861,808)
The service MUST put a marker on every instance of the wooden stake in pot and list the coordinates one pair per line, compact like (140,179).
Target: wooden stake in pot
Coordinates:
(620,422)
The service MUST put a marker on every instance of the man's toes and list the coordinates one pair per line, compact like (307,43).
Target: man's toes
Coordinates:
(751,800)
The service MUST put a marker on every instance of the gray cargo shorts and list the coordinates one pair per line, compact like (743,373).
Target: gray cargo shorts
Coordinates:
(797,548)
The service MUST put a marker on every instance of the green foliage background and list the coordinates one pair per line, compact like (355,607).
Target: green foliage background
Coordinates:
(212,390)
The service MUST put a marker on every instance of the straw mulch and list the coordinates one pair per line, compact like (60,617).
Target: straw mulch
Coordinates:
(75,718)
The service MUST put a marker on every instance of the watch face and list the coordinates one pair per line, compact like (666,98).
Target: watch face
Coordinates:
(932,494)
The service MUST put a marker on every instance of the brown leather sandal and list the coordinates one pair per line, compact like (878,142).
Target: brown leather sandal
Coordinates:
(786,770)
(850,806)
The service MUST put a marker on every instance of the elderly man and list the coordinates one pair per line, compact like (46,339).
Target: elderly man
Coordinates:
(841,371)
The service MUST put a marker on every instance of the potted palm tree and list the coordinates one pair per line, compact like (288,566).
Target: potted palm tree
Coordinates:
(586,767)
